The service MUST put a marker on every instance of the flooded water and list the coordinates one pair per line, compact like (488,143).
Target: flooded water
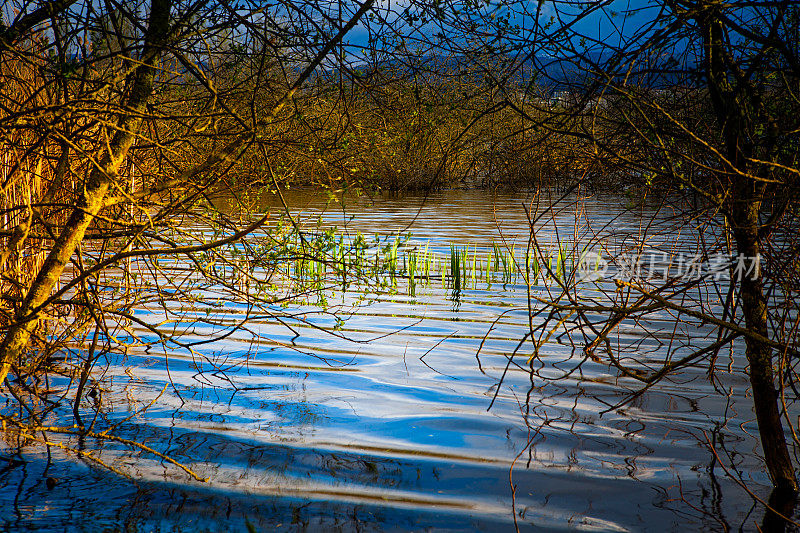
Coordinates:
(373,413)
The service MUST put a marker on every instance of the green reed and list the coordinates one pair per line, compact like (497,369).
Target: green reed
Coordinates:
(316,262)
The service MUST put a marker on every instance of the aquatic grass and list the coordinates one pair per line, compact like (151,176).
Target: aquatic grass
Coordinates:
(392,259)
(474,267)
(533,265)
(504,262)
(455,271)
(512,262)
(560,266)
(412,273)
(324,261)
(428,263)
(464,264)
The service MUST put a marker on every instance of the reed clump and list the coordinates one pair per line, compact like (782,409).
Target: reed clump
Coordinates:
(317,264)
(36,172)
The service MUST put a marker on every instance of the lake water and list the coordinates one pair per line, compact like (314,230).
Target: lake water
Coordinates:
(373,413)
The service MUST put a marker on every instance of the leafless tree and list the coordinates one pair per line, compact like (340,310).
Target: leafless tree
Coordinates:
(120,127)
(692,108)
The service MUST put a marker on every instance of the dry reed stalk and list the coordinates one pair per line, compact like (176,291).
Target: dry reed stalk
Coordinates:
(28,159)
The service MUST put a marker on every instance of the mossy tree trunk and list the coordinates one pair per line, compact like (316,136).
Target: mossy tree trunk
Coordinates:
(93,195)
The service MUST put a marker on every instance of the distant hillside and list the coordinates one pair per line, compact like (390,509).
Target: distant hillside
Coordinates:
(548,73)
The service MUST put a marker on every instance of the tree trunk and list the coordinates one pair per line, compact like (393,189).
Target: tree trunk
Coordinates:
(729,100)
(94,192)
(780,511)
(759,355)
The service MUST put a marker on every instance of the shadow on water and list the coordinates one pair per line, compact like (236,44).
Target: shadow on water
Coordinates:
(780,509)
(274,487)
(43,491)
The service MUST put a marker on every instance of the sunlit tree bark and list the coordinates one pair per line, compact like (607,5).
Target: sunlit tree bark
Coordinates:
(119,125)
(95,190)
